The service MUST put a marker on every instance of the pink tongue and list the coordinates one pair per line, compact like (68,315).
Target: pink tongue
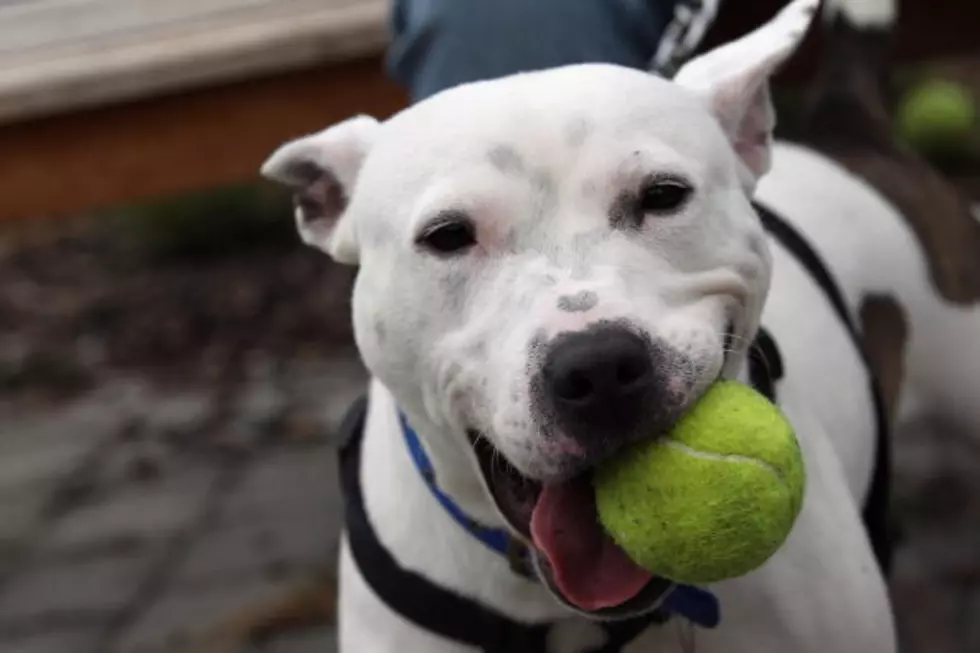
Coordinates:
(589,569)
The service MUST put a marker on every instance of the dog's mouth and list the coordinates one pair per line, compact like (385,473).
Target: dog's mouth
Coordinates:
(575,555)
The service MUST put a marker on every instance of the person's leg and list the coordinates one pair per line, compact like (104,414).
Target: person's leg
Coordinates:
(438,44)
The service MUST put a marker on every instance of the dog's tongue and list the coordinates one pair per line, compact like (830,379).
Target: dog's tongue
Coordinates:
(589,569)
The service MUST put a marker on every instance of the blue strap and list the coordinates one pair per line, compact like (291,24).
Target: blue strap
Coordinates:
(497,539)
(695,604)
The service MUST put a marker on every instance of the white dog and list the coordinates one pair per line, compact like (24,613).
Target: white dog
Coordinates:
(555,264)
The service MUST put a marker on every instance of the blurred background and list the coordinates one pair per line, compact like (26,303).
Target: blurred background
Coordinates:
(174,364)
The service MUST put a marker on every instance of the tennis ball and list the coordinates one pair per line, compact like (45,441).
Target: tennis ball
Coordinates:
(715,498)
(936,117)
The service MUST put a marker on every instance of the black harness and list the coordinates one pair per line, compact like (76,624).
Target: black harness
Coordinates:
(466,621)
(875,513)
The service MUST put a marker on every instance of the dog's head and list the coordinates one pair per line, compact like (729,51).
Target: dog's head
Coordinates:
(553,265)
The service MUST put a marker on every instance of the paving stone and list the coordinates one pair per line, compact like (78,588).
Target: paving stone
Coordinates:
(296,479)
(78,642)
(38,450)
(327,390)
(970,618)
(927,616)
(185,613)
(179,411)
(152,510)
(291,541)
(318,640)
(142,459)
(37,453)
(90,590)
(44,464)
(260,401)
(20,513)
(950,552)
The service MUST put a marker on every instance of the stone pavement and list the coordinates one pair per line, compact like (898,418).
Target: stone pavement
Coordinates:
(137,517)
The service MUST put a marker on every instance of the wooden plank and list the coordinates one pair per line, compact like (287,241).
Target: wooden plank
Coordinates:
(123,153)
(57,55)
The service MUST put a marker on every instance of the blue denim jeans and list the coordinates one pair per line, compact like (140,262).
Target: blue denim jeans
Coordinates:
(438,44)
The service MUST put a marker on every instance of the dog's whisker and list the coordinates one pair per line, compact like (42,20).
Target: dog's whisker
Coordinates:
(692,371)
(751,346)
(686,636)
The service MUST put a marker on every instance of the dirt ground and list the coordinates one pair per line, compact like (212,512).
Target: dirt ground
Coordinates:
(166,452)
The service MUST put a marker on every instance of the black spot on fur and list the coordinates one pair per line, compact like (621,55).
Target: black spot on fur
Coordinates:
(507,160)
(546,192)
(577,132)
(624,213)
(578,303)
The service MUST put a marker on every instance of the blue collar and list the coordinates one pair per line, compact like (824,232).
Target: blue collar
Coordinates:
(693,603)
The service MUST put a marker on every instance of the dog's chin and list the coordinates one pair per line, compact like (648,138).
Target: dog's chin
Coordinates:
(525,503)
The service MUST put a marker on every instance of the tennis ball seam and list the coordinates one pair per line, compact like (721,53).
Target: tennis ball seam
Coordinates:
(735,458)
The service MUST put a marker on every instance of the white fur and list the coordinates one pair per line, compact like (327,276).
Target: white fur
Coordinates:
(865,13)
(448,339)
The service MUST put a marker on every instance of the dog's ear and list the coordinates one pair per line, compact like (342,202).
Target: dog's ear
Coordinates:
(322,169)
(733,80)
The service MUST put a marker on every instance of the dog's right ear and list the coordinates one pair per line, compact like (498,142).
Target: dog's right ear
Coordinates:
(733,80)
(322,169)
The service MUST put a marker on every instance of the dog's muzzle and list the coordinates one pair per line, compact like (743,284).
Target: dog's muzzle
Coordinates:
(598,384)
(596,391)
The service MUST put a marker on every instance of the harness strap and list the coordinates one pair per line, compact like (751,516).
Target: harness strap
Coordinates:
(875,513)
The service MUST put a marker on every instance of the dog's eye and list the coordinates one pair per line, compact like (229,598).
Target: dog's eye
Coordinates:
(448,235)
(663,196)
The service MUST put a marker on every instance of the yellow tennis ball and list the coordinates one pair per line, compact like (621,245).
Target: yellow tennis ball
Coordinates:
(715,498)
(937,117)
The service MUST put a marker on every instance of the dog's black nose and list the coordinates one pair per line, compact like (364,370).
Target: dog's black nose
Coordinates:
(600,382)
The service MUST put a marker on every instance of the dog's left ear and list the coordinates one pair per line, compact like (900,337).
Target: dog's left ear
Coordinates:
(322,169)
(734,81)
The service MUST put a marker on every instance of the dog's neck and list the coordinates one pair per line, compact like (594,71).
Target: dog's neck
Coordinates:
(424,537)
